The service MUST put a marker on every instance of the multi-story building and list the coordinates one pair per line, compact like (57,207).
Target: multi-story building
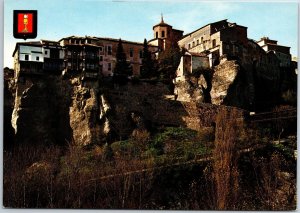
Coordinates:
(216,39)
(133,51)
(81,56)
(282,52)
(37,57)
(165,36)
(95,55)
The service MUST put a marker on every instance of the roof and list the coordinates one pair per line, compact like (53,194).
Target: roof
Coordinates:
(267,39)
(202,28)
(104,38)
(162,23)
(224,20)
(30,43)
(178,30)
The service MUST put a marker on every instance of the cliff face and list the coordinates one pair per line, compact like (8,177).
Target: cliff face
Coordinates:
(8,131)
(50,109)
(36,117)
(233,83)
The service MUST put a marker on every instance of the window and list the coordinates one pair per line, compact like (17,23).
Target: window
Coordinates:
(109,52)
(156,34)
(101,49)
(193,43)
(131,52)
(26,57)
(201,39)
(141,53)
(162,34)
(88,41)
(109,66)
(214,42)
(197,41)
(37,58)
(46,52)
(189,46)
(77,41)
(101,58)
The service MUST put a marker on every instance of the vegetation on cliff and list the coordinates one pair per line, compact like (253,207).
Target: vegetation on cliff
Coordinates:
(172,168)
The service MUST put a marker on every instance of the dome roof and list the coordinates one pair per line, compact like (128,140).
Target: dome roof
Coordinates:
(162,23)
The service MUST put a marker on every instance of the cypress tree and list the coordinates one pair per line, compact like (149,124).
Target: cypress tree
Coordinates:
(148,64)
(122,67)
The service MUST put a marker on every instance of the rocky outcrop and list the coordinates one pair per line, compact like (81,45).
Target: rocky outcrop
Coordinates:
(8,131)
(224,76)
(50,109)
(189,89)
(84,115)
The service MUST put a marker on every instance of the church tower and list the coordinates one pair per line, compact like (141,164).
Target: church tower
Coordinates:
(165,35)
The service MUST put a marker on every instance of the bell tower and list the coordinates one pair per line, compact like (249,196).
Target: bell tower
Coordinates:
(164,35)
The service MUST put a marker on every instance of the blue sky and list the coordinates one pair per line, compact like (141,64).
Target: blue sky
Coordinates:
(133,20)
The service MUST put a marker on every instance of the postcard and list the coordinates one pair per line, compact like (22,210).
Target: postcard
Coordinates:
(150,105)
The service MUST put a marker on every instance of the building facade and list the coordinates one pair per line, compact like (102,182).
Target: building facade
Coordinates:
(216,39)
(133,51)
(95,56)
(38,57)
(282,52)
(81,56)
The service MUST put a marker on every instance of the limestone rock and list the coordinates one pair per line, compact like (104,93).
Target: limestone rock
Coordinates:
(188,89)
(224,76)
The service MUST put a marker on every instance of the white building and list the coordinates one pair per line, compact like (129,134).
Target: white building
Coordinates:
(37,57)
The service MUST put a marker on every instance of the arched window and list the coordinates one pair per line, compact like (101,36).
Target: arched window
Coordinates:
(162,34)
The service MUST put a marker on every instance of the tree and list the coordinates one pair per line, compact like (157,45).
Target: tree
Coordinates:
(122,68)
(148,64)
(168,62)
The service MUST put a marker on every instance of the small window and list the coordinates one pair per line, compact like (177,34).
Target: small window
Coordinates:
(101,58)
(26,57)
(189,46)
(214,42)
(201,39)
(77,41)
(163,34)
(100,49)
(156,34)
(37,58)
(109,51)
(193,43)
(46,52)
(131,52)
(197,41)
(141,53)
(109,66)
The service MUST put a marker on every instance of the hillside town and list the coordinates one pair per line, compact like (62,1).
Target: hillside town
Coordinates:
(96,56)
